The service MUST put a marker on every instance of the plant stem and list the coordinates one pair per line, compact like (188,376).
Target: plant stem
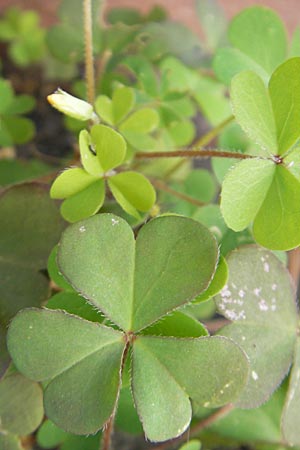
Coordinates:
(197,428)
(164,187)
(211,134)
(88,43)
(294,265)
(107,433)
(193,154)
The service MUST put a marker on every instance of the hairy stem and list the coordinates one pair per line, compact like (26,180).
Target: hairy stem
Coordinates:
(109,426)
(88,44)
(107,433)
(193,154)
(196,428)
(294,265)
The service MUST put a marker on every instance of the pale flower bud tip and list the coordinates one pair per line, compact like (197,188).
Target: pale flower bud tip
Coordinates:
(71,106)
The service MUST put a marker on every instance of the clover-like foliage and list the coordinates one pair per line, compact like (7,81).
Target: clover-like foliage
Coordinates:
(134,283)
(264,190)
(101,150)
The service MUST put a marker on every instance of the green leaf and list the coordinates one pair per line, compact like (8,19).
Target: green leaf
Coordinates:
(191,445)
(134,288)
(13,171)
(73,303)
(133,188)
(123,101)
(289,418)
(85,203)
(201,185)
(19,129)
(253,110)
(177,324)
(213,23)
(211,217)
(103,107)
(88,155)
(144,120)
(10,442)
(182,133)
(20,105)
(244,190)
(21,405)
(259,424)
(259,298)
(126,418)
(70,182)
(144,72)
(7,95)
(212,100)
(218,282)
(276,225)
(109,145)
(54,272)
(229,61)
(162,397)
(50,436)
(24,253)
(49,338)
(65,43)
(284,90)
(295,43)
(259,46)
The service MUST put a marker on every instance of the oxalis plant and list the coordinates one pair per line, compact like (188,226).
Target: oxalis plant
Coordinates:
(121,338)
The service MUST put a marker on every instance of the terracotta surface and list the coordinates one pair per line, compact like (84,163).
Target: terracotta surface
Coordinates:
(182,10)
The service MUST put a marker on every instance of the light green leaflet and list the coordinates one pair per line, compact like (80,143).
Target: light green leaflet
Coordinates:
(265,191)
(259,299)
(135,284)
(120,111)
(191,445)
(255,51)
(83,189)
